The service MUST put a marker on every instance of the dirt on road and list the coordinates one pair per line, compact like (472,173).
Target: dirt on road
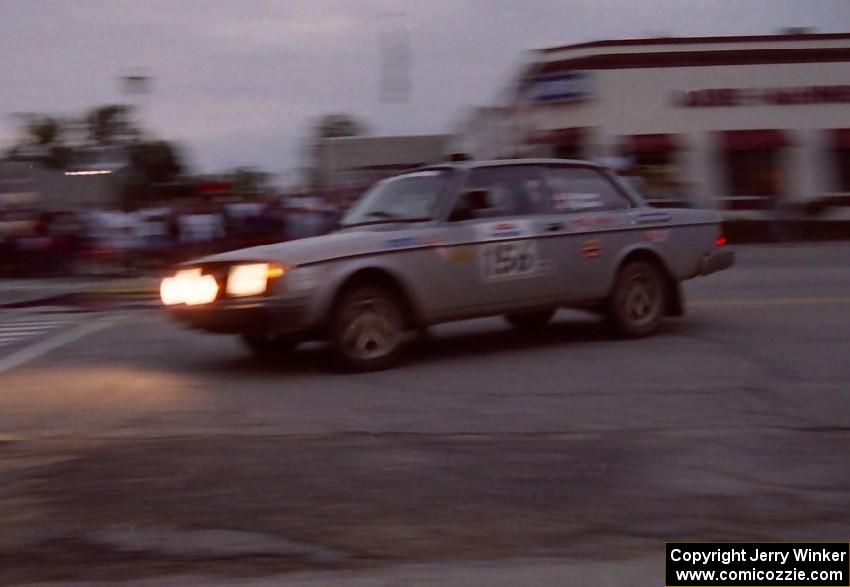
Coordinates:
(248,506)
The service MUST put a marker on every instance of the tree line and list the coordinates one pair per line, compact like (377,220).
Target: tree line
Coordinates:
(150,166)
(106,132)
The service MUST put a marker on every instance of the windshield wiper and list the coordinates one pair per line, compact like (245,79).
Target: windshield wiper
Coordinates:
(384,221)
(381,214)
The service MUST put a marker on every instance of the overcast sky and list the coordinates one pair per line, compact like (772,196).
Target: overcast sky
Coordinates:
(237,81)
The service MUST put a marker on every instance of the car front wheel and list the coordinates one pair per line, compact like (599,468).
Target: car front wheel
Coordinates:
(367,328)
(636,305)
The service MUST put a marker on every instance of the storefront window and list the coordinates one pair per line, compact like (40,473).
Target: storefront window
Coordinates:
(561,143)
(754,173)
(569,151)
(655,160)
(842,160)
(660,176)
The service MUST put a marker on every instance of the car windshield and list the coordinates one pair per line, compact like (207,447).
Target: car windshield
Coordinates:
(411,197)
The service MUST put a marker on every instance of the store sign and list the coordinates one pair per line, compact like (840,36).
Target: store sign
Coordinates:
(564,87)
(788,96)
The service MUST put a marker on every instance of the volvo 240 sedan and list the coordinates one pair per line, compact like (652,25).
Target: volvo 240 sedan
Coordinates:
(517,238)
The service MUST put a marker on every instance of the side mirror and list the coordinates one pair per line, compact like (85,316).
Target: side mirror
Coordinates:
(471,204)
(477,199)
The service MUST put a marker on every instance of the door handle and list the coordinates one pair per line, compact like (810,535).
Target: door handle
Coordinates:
(554,226)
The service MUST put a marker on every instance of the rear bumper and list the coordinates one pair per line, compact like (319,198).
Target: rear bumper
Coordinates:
(228,318)
(716,261)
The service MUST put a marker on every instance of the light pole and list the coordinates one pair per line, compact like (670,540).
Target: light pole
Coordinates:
(135,86)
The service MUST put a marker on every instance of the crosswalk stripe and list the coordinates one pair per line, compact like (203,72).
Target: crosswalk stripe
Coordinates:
(22,328)
(27,324)
(6,341)
(43,347)
(33,323)
(27,329)
(12,334)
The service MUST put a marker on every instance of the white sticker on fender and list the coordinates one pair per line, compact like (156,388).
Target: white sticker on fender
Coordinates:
(302,279)
(509,260)
(505,229)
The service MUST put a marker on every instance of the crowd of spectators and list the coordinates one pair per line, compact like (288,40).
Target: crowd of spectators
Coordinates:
(72,242)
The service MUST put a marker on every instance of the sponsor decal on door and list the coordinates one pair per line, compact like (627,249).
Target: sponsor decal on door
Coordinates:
(591,248)
(504,229)
(509,260)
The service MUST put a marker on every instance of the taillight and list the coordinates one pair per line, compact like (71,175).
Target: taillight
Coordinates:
(720,239)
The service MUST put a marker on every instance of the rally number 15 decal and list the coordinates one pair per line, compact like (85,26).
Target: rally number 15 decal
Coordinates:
(508,260)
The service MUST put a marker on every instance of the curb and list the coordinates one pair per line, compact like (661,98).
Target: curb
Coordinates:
(145,293)
(138,297)
(53,299)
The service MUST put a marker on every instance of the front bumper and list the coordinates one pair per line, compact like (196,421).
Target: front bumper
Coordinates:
(226,317)
(716,261)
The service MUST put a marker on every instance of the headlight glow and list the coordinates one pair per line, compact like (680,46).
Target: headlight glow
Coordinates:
(169,292)
(251,279)
(190,287)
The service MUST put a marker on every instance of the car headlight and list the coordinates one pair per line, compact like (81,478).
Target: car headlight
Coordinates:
(251,279)
(190,287)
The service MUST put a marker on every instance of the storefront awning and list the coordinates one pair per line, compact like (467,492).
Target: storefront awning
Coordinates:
(559,136)
(651,143)
(840,138)
(753,140)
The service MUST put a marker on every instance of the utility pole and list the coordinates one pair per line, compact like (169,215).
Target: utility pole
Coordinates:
(136,88)
(135,85)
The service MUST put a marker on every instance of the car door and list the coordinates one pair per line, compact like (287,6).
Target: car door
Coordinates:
(499,243)
(589,222)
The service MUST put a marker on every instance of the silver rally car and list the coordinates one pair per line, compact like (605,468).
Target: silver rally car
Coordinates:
(517,238)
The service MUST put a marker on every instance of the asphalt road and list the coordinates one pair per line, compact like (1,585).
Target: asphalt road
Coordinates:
(131,448)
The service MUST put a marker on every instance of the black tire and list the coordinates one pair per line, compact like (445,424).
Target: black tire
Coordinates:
(636,304)
(367,328)
(265,344)
(530,321)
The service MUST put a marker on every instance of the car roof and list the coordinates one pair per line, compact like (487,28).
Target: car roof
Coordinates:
(510,162)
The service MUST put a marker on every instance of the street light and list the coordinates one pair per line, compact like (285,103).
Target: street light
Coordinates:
(90,172)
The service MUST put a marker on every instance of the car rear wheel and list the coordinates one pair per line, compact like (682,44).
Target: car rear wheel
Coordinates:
(367,328)
(636,305)
(265,344)
(529,321)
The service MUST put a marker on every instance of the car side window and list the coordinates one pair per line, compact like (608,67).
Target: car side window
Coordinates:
(580,189)
(501,191)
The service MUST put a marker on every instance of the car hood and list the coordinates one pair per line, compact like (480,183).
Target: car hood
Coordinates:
(348,242)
